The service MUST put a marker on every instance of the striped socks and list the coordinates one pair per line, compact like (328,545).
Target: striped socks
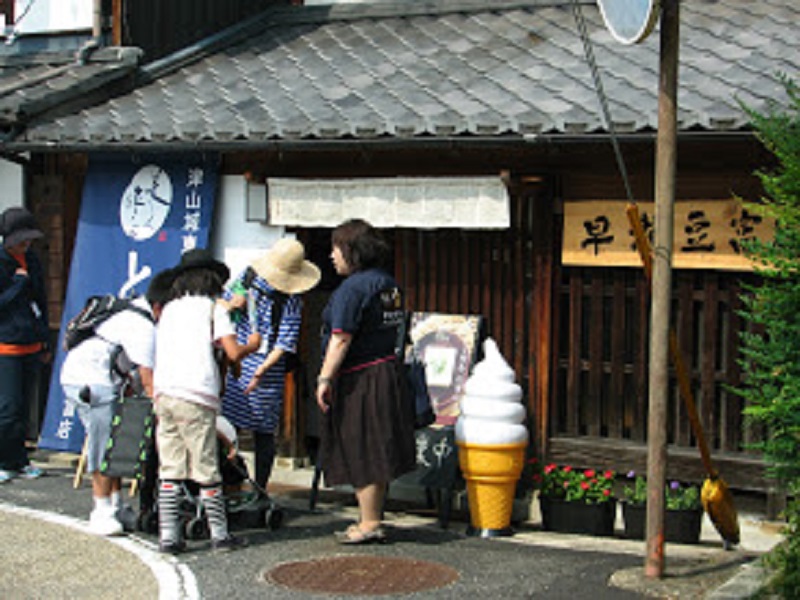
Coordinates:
(169,525)
(214,505)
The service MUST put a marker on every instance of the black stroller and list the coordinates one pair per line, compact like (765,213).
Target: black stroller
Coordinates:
(248,509)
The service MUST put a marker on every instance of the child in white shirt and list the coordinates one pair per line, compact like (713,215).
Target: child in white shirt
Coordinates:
(187,382)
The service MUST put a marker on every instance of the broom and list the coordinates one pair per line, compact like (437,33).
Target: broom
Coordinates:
(715,495)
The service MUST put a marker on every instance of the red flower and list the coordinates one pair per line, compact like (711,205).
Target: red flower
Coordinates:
(574,484)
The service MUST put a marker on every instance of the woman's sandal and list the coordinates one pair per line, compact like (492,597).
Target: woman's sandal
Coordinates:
(350,528)
(355,535)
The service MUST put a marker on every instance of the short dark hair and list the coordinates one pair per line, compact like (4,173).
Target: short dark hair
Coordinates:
(159,289)
(197,282)
(362,246)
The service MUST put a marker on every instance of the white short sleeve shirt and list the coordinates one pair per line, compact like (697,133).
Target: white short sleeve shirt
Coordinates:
(89,362)
(185,366)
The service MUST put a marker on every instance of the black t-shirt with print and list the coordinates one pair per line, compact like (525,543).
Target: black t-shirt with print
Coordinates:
(369,305)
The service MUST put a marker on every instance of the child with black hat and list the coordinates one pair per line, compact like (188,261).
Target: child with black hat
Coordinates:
(188,383)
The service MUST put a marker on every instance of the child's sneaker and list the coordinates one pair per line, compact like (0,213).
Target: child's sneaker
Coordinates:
(103,523)
(169,547)
(6,476)
(228,544)
(30,472)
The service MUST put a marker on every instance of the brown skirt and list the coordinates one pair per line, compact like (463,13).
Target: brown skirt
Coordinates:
(368,433)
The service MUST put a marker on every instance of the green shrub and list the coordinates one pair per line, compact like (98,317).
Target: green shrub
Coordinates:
(784,561)
(677,495)
(771,347)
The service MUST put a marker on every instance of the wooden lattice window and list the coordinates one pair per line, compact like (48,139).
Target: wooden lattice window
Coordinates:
(601,387)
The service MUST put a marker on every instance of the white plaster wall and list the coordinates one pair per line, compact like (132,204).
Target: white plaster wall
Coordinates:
(321,2)
(233,239)
(52,15)
(11,182)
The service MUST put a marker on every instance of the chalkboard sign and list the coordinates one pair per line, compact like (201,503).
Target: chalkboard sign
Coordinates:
(437,459)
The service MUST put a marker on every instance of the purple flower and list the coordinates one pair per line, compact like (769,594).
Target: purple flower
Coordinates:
(675,485)
(631,474)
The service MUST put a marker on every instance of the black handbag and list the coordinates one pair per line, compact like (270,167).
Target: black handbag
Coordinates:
(129,442)
(418,392)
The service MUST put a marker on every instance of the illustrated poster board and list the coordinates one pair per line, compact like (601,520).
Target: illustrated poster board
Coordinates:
(448,346)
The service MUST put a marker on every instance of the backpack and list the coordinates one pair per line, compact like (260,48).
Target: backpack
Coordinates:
(97,310)
(415,378)
(279,300)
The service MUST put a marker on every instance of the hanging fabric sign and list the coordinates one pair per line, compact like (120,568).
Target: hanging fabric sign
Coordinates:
(136,218)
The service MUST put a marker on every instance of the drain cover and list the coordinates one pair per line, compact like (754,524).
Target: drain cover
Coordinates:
(362,575)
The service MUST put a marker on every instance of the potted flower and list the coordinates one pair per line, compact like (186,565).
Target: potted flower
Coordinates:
(683,515)
(576,500)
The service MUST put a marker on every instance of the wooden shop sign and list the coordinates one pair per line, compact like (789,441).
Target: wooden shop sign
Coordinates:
(708,234)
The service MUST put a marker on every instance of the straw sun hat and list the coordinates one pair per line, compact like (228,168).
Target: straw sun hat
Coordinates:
(285,268)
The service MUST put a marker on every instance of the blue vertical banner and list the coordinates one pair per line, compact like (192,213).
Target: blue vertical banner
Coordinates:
(136,218)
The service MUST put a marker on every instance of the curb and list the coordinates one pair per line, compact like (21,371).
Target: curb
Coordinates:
(746,584)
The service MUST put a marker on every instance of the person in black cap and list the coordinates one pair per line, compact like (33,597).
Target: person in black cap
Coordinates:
(23,337)
(188,382)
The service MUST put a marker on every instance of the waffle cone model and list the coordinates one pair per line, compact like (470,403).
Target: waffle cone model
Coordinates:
(491,438)
(491,473)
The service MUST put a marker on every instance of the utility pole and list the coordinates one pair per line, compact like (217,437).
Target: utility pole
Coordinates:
(666,160)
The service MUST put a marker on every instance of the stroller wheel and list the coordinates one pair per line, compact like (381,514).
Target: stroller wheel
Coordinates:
(148,522)
(273,517)
(196,529)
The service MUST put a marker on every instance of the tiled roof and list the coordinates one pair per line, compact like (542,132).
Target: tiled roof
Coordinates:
(440,68)
(31,84)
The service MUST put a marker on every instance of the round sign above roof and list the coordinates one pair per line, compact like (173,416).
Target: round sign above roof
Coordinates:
(629,21)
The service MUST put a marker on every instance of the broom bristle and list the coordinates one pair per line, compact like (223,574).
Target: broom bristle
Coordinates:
(718,503)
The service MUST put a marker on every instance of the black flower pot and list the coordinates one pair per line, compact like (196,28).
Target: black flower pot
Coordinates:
(578,517)
(680,526)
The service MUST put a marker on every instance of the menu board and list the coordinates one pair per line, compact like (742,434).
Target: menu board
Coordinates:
(448,345)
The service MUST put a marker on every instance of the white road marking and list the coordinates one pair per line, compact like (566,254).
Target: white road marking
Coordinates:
(175,579)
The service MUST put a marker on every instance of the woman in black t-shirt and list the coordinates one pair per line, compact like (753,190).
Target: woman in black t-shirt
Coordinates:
(368,431)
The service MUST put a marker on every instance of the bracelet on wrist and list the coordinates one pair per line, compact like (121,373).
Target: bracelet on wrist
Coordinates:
(321,380)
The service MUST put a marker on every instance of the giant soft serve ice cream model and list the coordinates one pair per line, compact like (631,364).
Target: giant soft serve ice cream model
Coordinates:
(491,438)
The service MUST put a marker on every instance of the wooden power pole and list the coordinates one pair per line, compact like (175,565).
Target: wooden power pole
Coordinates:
(666,160)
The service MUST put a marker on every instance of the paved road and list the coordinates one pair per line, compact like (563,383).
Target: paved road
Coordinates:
(51,555)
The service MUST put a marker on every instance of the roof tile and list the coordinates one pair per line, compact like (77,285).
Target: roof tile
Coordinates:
(441,69)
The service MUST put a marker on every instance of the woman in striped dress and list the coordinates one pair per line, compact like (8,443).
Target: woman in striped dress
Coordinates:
(265,299)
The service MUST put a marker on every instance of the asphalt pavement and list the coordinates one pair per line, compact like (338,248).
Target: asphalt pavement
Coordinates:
(47,552)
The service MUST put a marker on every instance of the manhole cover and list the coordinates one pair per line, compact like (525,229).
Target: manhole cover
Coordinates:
(362,575)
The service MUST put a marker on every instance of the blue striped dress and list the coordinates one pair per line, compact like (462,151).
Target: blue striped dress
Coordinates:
(261,409)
